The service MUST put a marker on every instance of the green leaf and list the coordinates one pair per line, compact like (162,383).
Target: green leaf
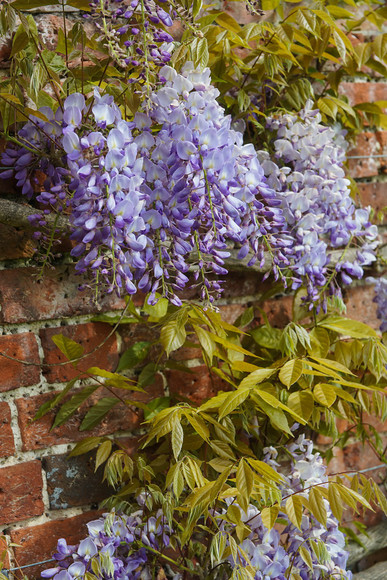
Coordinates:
(49,405)
(276,416)
(177,438)
(302,403)
(333,364)
(267,336)
(269,516)
(233,400)
(230,345)
(198,424)
(228,22)
(206,342)
(348,327)
(256,377)
(71,349)
(305,555)
(335,501)
(69,408)
(98,412)
(134,355)
(173,335)
(103,453)
(294,510)
(290,372)
(84,446)
(155,406)
(147,375)
(196,7)
(199,51)
(325,394)
(244,483)
(320,342)
(317,506)
(20,41)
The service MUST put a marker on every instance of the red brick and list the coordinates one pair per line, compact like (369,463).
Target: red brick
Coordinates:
(368,145)
(15,244)
(37,434)
(278,311)
(90,336)
(25,298)
(196,387)
(373,194)
(38,543)
(14,374)
(21,492)
(364,92)
(360,305)
(7,445)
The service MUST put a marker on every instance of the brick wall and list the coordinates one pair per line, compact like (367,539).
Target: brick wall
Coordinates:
(43,494)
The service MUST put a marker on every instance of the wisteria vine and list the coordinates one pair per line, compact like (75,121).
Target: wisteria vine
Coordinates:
(169,191)
(124,546)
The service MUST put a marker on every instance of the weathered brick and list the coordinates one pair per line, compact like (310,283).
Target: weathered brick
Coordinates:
(89,336)
(15,244)
(368,146)
(7,444)
(21,492)
(373,194)
(360,305)
(37,434)
(25,298)
(14,374)
(367,92)
(38,543)
(72,481)
(195,386)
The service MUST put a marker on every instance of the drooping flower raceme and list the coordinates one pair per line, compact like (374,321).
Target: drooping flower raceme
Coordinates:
(307,170)
(204,187)
(134,32)
(118,544)
(144,196)
(381,300)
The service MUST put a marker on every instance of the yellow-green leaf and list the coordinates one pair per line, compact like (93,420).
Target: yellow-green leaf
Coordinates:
(103,453)
(269,516)
(302,403)
(325,394)
(290,372)
(317,506)
(294,509)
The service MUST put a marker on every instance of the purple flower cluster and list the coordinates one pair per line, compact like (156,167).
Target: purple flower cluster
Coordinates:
(381,300)
(306,470)
(307,171)
(116,547)
(204,187)
(134,31)
(145,196)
